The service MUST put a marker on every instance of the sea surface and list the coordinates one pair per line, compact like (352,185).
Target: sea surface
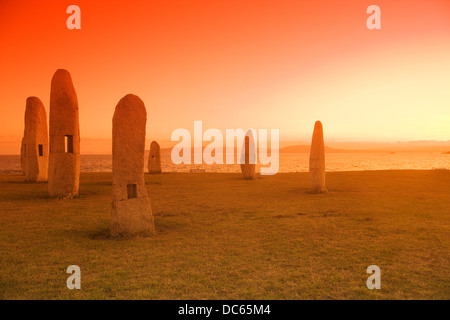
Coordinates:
(289,162)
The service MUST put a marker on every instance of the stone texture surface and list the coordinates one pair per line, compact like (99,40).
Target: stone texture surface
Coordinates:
(154,158)
(64,162)
(248,157)
(317,160)
(131,210)
(35,141)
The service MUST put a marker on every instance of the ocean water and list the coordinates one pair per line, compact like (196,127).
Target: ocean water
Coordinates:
(289,162)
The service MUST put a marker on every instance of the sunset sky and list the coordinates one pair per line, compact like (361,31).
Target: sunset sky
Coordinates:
(234,64)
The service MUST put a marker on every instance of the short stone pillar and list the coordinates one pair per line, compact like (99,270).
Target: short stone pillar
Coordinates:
(131,210)
(154,158)
(64,159)
(248,156)
(35,141)
(317,160)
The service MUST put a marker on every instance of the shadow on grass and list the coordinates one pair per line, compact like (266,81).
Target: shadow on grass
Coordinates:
(162,228)
(104,234)
(26,197)
(24,182)
(161,213)
(299,191)
(99,234)
(284,216)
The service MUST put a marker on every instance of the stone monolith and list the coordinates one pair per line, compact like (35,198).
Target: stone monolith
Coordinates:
(248,156)
(131,210)
(317,160)
(64,159)
(154,158)
(35,141)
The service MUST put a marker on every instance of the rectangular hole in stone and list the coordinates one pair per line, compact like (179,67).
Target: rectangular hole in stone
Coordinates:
(132,191)
(24,150)
(69,143)
(41,150)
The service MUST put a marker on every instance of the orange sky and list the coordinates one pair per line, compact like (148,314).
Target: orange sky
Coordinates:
(235,64)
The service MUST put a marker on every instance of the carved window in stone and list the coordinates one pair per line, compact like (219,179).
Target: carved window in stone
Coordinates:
(132,191)
(41,150)
(68,143)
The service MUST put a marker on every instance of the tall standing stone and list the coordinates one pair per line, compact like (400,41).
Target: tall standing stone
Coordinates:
(154,158)
(131,210)
(248,157)
(35,141)
(64,160)
(317,160)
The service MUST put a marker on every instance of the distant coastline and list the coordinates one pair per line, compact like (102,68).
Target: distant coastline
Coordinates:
(336,160)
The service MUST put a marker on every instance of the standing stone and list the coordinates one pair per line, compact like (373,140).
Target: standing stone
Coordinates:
(131,210)
(154,158)
(248,157)
(22,156)
(317,160)
(35,141)
(64,160)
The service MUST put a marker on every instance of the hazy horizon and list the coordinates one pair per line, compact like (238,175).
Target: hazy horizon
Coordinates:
(104,145)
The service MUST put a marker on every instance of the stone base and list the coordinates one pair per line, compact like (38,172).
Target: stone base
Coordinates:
(319,190)
(317,177)
(37,170)
(248,171)
(64,175)
(132,217)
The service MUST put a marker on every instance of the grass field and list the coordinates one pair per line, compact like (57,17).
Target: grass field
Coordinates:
(221,237)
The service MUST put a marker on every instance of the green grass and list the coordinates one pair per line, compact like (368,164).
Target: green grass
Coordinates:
(222,237)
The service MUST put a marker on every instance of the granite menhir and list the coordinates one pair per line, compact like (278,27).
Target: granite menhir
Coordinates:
(154,158)
(317,160)
(131,209)
(248,156)
(35,142)
(64,160)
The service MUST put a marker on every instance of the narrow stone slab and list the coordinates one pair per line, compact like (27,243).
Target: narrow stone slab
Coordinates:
(154,158)
(248,157)
(317,160)
(64,159)
(35,141)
